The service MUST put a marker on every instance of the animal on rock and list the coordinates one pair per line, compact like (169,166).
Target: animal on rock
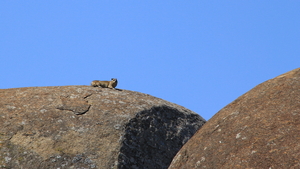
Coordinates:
(105,84)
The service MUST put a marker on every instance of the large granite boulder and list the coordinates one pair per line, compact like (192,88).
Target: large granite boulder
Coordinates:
(260,129)
(87,127)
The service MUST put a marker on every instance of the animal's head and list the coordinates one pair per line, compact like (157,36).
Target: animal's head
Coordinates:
(114,79)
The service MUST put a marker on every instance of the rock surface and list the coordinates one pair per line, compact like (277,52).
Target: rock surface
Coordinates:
(260,129)
(87,127)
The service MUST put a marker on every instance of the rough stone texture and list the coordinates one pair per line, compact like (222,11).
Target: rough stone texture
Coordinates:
(261,129)
(88,127)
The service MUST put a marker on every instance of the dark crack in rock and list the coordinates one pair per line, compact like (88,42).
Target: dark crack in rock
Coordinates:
(76,105)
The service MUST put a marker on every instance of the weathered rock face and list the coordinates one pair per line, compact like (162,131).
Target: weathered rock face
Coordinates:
(87,127)
(261,129)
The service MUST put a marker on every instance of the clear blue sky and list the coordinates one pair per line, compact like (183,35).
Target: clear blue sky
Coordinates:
(199,54)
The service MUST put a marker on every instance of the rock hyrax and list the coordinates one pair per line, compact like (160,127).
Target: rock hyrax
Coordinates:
(105,84)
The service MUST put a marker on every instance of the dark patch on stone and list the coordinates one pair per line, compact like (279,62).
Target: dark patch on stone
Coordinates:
(154,136)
